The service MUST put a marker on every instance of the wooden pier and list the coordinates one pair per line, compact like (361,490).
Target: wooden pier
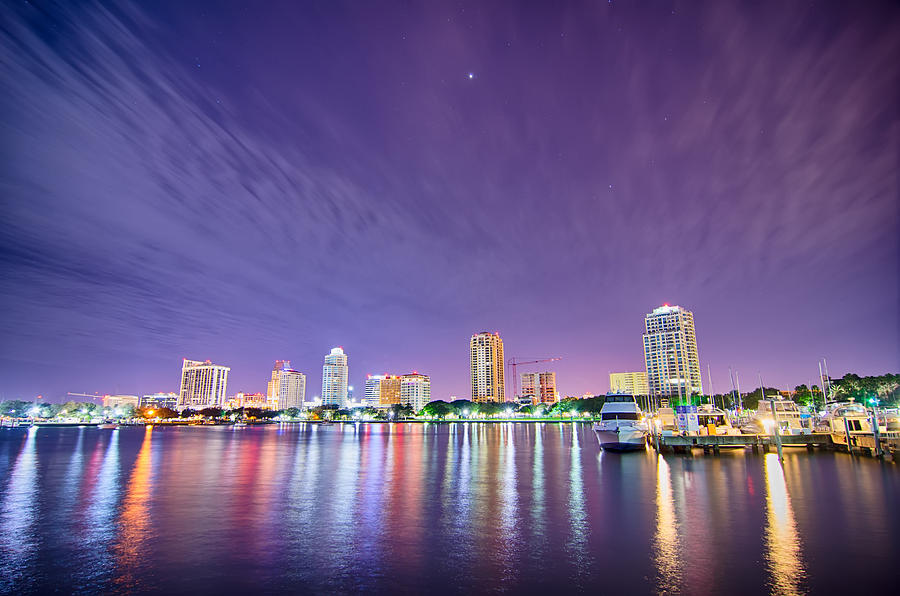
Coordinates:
(684,443)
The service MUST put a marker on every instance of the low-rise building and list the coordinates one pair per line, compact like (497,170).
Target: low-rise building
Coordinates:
(112,401)
(242,399)
(160,400)
(629,383)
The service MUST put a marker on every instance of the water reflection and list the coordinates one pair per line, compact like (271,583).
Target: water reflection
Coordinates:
(537,492)
(576,546)
(508,497)
(783,556)
(17,516)
(665,541)
(134,521)
(98,529)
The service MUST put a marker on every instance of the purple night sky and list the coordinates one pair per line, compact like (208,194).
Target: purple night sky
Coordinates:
(245,182)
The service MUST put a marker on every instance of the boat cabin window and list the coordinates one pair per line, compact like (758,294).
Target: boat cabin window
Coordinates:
(620,416)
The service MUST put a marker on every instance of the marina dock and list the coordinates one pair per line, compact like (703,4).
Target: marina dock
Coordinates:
(859,442)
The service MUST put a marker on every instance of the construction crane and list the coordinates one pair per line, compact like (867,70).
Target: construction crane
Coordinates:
(512,363)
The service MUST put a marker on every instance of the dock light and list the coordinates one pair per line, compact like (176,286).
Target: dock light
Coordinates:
(151,412)
(874,401)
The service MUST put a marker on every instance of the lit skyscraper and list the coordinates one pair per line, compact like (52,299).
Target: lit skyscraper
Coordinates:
(287,388)
(540,387)
(670,352)
(203,384)
(629,383)
(382,390)
(415,390)
(487,367)
(334,378)
(373,390)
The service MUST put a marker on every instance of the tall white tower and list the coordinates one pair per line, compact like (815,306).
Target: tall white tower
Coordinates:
(287,388)
(334,378)
(203,384)
(670,352)
(486,352)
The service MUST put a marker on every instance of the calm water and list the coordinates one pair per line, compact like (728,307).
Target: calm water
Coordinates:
(443,508)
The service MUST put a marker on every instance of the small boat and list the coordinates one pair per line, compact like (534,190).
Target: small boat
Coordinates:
(622,426)
(108,426)
(239,424)
(665,418)
(786,411)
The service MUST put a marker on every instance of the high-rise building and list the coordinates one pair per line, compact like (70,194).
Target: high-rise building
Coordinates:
(487,367)
(629,383)
(382,390)
(415,390)
(203,384)
(372,396)
(539,387)
(670,352)
(334,378)
(389,391)
(287,387)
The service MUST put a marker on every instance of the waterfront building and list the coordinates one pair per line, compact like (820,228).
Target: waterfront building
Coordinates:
(372,393)
(160,400)
(629,383)
(382,391)
(113,401)
(539,388)
(287,387)
(415,390)
(486,359)
(389,391)
(203,384)
(258,400)
(670,352)
(334,378)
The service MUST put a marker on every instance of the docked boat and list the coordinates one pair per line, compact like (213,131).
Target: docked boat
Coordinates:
(837,418)
(108,426)
(714,421)
(622,426)
(786,411)
(239,424)
(888,419)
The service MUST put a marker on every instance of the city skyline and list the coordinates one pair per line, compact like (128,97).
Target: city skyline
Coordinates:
(393,178)
(616,381)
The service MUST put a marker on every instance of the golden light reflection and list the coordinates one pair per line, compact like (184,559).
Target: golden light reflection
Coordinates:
(783,556)
(134,519)
(665,542)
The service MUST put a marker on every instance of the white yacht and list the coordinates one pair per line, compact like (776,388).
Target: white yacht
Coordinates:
(622,426)
(787,412)
(832,419)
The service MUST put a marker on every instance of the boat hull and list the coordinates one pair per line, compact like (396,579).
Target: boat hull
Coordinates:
(622,439)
